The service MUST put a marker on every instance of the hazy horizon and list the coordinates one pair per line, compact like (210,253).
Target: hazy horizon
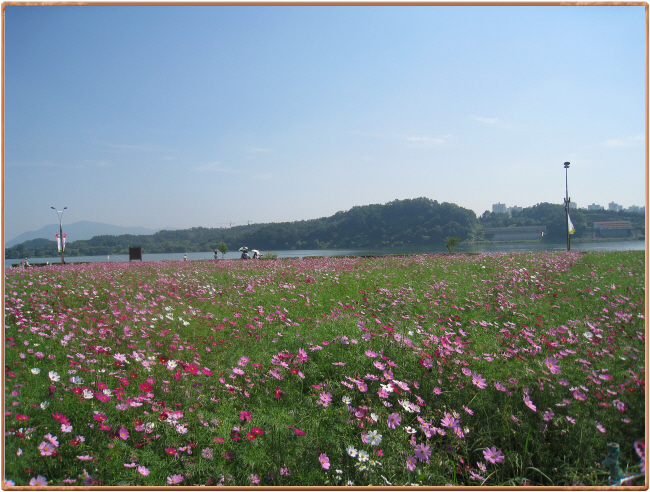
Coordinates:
(179,116)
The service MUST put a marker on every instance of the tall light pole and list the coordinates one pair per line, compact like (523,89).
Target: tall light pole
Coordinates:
(567,201)
(60,214)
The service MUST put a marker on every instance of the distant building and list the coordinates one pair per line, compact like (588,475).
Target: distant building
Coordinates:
(513,233)
(614,228)
(515,208)
(593,206)
(635,208)
(499,208)
(573,205)
(615,207)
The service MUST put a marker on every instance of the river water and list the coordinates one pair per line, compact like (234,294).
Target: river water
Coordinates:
(461,248)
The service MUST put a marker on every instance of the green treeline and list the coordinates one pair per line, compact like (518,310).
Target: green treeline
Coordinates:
(412,222)
(553,216)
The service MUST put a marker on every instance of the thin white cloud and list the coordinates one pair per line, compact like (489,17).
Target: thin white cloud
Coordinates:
(430,140)
(138,147)
(215,167)
(625,141)
(488,121)
(33,164)
(437,141)
(95,163)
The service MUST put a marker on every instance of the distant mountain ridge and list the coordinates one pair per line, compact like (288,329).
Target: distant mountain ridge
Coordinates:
(78,230)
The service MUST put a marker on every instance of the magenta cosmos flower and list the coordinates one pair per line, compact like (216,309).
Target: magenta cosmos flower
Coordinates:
(493,455)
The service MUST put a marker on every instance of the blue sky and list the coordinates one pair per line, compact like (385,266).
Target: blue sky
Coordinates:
(179,116)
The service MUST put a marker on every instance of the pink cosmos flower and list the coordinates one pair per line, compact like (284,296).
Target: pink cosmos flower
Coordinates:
(325,399)
(52,439)
(478,380)
(143,471)
(410,463)
(85,457)
(46,448)
(39,481)
(552,365)
(493,455)
(244,416)
(600,427)
(254,479)
(529,403)
(123,434)
(174,479)
(422,452)
(324,461)
(393,420)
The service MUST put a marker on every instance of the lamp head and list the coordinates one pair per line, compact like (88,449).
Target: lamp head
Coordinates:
(566,165)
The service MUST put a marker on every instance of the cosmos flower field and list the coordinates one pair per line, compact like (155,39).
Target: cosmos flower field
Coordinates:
(490,369)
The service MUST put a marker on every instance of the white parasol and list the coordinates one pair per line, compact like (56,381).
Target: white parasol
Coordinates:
(243,248)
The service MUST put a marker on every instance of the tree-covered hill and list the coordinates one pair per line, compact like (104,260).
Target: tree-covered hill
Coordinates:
(419,221)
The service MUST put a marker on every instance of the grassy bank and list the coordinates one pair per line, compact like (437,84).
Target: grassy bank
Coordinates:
(501,369)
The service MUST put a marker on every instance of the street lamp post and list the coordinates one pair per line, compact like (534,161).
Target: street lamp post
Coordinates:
(567,201)
(60,214)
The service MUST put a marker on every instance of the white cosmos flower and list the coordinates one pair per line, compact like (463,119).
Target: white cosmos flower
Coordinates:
(108,392)
(87,394)
(45,404)
(35,370)
(363,456)
(410,430)
(76,380)
(351,451)
(346,399)
(171,364)
(373,438)
(387,387)
(54,376)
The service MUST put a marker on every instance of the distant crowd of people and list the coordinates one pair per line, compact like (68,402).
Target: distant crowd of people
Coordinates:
(244,254)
